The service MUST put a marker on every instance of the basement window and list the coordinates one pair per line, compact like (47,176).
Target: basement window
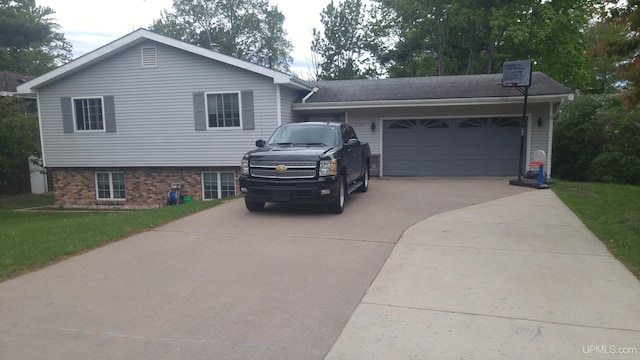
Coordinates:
(218,185)
(110,186)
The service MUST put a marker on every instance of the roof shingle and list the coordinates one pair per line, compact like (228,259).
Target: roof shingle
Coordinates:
(432,87)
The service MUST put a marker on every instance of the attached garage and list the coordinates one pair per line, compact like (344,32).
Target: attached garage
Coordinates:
(451,147)
(465,125)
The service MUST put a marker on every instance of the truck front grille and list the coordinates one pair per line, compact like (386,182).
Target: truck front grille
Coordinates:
(284,169)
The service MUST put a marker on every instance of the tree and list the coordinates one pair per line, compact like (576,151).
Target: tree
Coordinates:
(444,37)
(19,137)
(249,30)
(603,78)
(29,41)
(627,15)
(350,40)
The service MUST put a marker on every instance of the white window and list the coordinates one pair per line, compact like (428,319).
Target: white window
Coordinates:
(88,114)
(223,110)
(218,185)
(110,185)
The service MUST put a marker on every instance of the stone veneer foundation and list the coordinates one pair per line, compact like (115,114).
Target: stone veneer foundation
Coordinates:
(144,187)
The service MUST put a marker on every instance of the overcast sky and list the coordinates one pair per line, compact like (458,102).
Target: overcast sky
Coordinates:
(90,24)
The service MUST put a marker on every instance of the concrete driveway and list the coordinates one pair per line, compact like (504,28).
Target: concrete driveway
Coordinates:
(225,283)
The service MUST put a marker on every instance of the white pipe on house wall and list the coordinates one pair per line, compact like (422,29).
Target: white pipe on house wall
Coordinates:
(313,91)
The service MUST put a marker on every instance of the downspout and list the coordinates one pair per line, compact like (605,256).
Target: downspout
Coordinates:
(313,91)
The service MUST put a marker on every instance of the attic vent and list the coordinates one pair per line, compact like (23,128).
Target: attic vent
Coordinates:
(149,57)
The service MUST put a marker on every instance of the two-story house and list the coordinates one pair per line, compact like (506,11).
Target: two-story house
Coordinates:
(121,123)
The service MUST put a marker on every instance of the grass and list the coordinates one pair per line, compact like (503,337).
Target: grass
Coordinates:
(30,240)
(611,212)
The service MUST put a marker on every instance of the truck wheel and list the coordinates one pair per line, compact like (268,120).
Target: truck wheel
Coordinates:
(253,205)
(365,181)
(337,207)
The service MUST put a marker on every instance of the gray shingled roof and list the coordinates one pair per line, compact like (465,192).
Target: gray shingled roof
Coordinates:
(9,81)
(432,87)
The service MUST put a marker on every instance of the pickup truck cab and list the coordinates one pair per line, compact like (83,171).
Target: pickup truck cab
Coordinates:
(306,163)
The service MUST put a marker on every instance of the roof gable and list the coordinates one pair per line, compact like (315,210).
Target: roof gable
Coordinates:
(142,35)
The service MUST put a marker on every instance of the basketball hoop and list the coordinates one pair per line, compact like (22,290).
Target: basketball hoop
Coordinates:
(508,84)
(505,89)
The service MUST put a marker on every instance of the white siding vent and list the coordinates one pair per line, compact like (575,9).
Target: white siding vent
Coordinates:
(149,57)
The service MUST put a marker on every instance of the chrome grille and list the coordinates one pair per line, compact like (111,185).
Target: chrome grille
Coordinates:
(276,169)
(288,164)
(289,174)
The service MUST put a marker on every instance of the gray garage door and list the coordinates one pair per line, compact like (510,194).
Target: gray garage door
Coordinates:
(451,147)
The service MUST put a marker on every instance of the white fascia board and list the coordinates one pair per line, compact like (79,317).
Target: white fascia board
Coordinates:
(142,35)
(429,102)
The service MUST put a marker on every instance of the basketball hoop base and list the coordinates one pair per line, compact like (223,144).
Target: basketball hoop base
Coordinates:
(528,183)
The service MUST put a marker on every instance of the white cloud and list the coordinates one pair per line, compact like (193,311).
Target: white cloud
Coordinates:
(89,25)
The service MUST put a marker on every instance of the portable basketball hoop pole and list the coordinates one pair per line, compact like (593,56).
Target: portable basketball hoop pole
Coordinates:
(518,74)
(523,127)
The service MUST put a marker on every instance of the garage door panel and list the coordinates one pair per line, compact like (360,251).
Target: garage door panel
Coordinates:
(450,147)
(503,151)
(505,136)
(401,167)
(501,167)
(400,152)
(470,137)
(435,137)
(435,152)
(471,152)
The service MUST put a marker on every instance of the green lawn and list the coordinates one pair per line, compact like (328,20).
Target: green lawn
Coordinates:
(611,212)
(29,240)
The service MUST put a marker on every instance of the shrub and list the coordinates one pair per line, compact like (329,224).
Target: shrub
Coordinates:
(615,167)
(596,139)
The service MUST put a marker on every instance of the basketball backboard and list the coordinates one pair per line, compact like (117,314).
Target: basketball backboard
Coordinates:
(517,73)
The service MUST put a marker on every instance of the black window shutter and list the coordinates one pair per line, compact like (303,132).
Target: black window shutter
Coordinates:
(109,113)
(248,119)
(199,116)
(67,115)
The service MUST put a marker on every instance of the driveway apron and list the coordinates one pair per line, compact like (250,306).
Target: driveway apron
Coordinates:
(225,283)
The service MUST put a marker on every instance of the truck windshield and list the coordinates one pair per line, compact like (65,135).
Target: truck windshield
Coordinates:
(308,135)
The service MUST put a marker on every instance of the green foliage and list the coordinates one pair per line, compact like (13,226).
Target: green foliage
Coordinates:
(615,167)
(595,139)
(19,137)
(249,30)
(603,78)
(444,37)
(29,42)
(349,41)
(626,14)
(29,240)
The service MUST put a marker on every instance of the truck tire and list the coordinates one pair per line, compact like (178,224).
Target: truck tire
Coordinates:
(253,205)
(365,181)
(337,206)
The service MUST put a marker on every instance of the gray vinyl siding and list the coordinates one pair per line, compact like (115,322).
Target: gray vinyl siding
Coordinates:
(287,98)
(154,108)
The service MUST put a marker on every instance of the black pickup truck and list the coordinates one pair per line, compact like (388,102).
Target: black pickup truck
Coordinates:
(306,163)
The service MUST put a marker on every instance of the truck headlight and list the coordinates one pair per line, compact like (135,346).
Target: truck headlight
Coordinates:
(328,167)
(244,165)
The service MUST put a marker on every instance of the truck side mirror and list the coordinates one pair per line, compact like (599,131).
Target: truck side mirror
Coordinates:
(352,142)
(260,143)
